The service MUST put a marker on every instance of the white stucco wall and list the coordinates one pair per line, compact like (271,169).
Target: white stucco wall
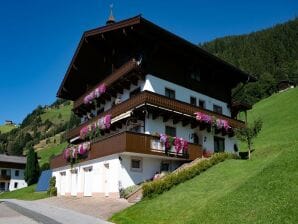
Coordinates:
(15,179)
(99,174)
(157,85)
(149,167)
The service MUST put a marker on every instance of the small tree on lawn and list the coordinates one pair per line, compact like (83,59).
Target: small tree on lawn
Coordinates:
(32,167)
(248,133)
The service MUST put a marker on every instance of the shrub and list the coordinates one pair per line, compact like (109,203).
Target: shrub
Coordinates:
(52,191)
(159,186)
(127,191)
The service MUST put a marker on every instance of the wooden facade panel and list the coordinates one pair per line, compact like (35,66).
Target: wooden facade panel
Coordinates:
(147,97)
(126,68)
(124,142)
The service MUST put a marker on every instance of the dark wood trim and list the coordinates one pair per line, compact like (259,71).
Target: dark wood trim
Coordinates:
(125,142)
(150,98)
(111,79)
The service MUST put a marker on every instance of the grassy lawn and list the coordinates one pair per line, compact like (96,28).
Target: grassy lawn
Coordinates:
(52,114)
(46,153)
(262,190)
(27,193)
(6,128)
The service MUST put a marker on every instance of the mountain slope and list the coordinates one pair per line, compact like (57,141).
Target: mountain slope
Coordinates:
(263,190)
(270,54)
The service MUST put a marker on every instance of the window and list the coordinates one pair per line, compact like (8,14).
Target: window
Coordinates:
(217,109)
(3,172)
(195,76)
(171,131)
(165,166)
(134,92)
(136,164)
(193,101)
(219,144)
(15,184)
(170,93)
(2,186)
(17,173)
(202,103)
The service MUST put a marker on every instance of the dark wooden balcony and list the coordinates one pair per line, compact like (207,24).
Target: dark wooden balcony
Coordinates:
(128,142)
(115,82)
(159,101)
(5,177)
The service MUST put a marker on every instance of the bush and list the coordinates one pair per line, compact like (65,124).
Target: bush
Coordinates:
(159,186)
(52,191)
(127,191)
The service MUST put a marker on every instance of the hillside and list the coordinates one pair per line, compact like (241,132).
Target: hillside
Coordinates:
(270,54)
(262,190)
(43,128)
(6,128)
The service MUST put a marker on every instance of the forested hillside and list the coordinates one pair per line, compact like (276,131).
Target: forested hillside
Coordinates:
(271,55)
(39,128)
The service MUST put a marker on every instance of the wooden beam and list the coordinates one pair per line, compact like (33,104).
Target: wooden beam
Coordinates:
(185,122)
(194,125)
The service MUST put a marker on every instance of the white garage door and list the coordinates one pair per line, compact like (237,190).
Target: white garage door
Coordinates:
(62,183)
(88,181)
(74,182)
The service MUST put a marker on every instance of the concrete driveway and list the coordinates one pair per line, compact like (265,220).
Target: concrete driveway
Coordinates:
(98,207)
(31,212)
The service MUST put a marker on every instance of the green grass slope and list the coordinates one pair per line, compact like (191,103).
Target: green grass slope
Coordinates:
(6,128)
(263,190)
(47,152)
(27,193)
(57,115)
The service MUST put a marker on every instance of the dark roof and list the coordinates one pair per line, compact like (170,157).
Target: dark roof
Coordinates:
(13,159)
(245,77)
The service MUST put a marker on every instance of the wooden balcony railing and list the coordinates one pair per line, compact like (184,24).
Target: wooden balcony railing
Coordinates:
(147,97)
(123,70)
(127,142)
(5,177)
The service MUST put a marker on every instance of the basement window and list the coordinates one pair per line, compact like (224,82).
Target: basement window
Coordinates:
(136,164)
(202,103)
(15,184)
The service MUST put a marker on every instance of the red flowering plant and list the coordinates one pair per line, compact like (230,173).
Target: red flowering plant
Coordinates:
(207,153)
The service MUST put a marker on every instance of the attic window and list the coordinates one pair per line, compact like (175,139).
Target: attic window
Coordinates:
(195,76)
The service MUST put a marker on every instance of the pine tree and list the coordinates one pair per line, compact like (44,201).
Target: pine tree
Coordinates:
(32,167)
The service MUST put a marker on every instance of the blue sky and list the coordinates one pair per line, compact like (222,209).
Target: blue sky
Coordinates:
(39,37)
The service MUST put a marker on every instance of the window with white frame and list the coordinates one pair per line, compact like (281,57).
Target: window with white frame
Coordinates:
(136,164)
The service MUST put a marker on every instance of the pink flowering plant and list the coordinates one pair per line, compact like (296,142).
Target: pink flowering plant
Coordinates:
(74,153)
(94,129)
(179,144)
(96,93)
(209,122)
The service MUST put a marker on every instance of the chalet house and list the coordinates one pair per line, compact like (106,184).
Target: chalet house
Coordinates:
(12,172)
(148,100)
